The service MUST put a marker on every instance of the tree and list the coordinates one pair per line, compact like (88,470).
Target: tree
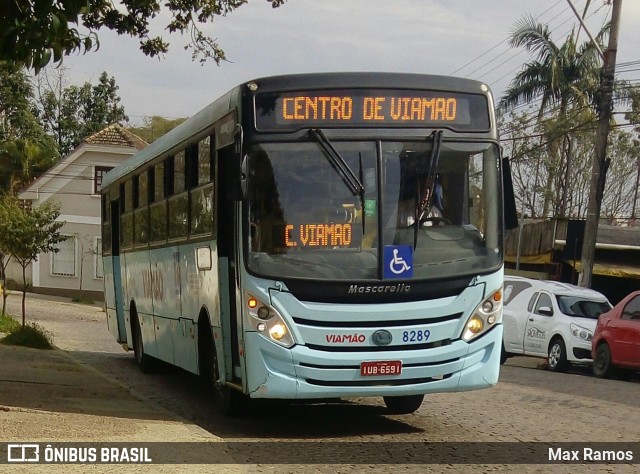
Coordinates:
(622,175)
(73,113)
(4,252)
(32,32)
(154,127)
(561,76)
(87,249)
(633,116)
(25,149)
(28,233)
(524,143)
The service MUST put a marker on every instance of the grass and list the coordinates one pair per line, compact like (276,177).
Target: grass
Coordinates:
(32,335)
(8,323)
(83,300)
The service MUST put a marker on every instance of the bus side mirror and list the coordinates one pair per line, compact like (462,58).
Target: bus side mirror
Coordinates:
(243,176)
(510,212)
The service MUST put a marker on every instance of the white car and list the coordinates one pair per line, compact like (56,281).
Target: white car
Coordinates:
(550,319)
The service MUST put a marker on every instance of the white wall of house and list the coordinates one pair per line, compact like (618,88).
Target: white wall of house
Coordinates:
(71,183)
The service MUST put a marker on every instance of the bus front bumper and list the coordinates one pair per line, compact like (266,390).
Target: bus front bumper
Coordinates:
(302,373)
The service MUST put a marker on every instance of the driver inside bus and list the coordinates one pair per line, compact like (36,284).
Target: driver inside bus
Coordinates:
(437,202)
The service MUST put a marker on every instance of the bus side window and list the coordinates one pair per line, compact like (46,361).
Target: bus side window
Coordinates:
(158,210)
(205,161)
(178,216)
(179,172)
(126,219)
(202,195)
(141,214)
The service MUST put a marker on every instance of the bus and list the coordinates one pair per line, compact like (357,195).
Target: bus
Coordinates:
(316,236)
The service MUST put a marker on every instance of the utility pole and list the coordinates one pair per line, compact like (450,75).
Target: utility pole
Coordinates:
(600,161)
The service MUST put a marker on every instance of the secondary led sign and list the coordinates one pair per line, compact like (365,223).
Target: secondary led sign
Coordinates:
(317,235)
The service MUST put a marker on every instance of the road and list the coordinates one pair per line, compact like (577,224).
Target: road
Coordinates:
(528,404)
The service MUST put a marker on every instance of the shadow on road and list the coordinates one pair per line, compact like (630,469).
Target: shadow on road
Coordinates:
(188,396)
(578,381)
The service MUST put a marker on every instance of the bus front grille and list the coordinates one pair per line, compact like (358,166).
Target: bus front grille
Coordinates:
(404,347)
(372,383)
(376,324)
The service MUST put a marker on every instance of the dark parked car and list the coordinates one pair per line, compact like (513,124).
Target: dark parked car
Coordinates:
(616,341)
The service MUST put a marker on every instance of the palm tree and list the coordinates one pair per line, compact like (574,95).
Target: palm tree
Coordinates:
(21,160)
(563,77)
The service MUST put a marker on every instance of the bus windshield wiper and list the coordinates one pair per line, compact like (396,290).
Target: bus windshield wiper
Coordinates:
(349,177)
(423,199)
(338,162)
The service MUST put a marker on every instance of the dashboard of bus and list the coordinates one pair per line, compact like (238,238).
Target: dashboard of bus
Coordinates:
(373,210)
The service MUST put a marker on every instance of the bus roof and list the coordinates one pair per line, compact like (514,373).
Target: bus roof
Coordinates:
(205,118)
(394,80)
(191,127)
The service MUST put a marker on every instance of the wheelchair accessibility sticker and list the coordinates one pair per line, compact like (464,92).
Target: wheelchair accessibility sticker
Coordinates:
(398,261)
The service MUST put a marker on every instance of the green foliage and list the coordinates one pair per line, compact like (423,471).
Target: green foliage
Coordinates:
(560,74)
(8,323)
(633,115)
(32,33)
(74,113)
(82,300)
(155,127)
(25,149)
(26,233)
(565,77)
(31,335)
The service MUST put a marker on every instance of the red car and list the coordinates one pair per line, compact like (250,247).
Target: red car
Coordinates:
(616,340)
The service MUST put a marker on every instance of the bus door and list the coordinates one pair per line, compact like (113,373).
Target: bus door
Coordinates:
(229,244)
(117,276)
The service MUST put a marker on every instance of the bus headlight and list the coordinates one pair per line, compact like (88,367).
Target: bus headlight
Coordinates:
(265,320)
(486,315)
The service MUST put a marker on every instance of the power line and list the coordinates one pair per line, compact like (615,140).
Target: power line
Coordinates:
(522,51)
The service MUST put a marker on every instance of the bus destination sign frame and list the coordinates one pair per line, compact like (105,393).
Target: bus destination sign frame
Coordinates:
(371,108)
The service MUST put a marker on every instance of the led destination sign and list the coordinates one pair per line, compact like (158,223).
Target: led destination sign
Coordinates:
(371,108)
(316,235)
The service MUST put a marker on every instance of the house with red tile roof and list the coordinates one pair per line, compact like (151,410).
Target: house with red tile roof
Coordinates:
(74,182)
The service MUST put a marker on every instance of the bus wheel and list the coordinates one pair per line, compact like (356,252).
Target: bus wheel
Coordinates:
(145,362)
(503,355)
(404,404)
(227,401)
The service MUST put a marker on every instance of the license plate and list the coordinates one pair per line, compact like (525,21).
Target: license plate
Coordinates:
(380,367)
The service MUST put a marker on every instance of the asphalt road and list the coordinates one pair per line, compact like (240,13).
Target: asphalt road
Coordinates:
(528,404)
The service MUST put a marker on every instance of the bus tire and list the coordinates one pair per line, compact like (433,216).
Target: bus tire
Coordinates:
(404,404)
(146,363)
(226,401)
(504,355)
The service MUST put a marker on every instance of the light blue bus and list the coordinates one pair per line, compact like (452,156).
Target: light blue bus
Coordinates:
(316,236)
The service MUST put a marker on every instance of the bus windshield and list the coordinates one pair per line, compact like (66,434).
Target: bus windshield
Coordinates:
(306,221)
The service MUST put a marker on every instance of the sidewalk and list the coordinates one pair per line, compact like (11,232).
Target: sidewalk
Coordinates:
(50,396)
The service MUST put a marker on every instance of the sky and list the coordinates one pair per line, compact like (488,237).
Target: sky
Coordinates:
(466,38)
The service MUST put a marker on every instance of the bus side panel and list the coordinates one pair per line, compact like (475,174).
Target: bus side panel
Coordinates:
(133,269)
(165,291)
(225,319)
(199,289)
(184,333)
(113,298)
